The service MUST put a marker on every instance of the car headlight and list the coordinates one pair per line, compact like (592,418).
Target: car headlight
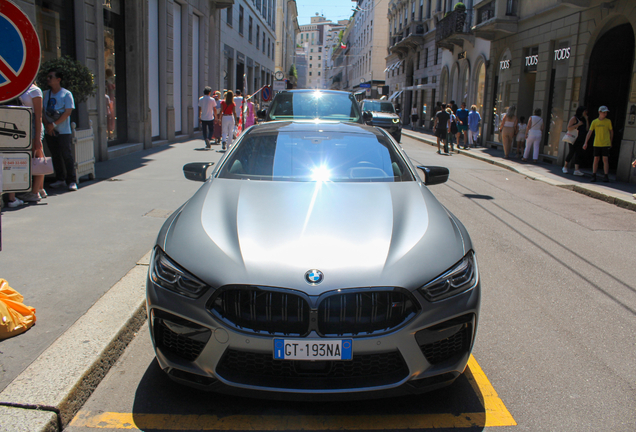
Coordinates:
(167,274)
(462,277)
(396,120)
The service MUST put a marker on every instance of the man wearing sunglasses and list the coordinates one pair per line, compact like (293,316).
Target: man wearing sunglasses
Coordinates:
(58,106)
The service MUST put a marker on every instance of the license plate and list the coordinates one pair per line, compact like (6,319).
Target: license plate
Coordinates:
(312,349)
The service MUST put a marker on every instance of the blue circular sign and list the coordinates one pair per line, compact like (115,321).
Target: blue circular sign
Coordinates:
(266,94)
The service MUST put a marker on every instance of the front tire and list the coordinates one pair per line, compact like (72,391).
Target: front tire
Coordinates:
(398,137)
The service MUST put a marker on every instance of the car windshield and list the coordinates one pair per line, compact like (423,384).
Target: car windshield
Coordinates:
(386,107)
(315,156)
(313,105)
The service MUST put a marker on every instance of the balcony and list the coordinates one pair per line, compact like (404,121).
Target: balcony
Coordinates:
(221,4)
(496,19)
(409,39)
(454,29)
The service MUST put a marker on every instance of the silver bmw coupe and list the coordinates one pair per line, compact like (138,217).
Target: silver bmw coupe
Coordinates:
(314,262)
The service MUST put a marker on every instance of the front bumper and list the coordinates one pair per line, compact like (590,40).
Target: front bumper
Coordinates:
(195,348)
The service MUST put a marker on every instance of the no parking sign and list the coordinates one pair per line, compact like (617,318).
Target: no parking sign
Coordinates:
(266,94)
(19,51)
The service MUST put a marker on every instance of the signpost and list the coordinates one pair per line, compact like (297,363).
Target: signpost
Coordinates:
(365,85)
(19,52)
(19,64)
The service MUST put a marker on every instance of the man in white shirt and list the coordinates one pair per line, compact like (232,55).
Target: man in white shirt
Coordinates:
(238,101)
(207,113)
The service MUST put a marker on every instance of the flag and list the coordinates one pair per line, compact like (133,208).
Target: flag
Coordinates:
(343,46)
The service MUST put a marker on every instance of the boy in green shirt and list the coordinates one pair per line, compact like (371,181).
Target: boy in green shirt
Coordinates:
(604,134)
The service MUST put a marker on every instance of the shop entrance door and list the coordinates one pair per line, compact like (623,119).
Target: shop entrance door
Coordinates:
(115,73)
(608,84)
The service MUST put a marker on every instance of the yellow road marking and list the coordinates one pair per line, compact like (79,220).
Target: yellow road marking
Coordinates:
(495,414)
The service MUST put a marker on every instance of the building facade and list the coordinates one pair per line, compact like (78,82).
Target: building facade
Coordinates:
(413,65)
(287,30)
(464,57)
(555,55)
(248,44)
(318,38)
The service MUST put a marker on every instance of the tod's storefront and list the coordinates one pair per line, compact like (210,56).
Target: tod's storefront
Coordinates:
(558,59)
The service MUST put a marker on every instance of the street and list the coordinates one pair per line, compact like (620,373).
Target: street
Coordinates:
(555,343)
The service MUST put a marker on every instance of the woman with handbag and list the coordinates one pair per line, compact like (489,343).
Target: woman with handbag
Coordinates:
(33,99)
(575,138)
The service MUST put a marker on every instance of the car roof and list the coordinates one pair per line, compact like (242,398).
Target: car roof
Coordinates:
(321,126)
(313,91)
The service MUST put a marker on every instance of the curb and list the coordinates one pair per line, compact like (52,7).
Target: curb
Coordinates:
(48,394)
(584,190)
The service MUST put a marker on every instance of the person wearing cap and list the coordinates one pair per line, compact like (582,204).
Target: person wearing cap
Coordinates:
(603,136)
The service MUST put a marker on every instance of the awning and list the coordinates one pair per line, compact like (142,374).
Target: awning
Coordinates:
(395,95)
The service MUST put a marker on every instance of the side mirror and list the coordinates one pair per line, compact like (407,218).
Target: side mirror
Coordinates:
(434,175)
(367,116)
(261,114)
(197,171)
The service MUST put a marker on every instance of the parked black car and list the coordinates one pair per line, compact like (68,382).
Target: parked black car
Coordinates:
(382,114)
(310,104)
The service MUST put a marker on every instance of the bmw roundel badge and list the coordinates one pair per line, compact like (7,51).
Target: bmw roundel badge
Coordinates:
(314,277)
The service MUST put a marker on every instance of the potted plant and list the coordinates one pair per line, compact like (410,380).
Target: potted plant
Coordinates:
(78,79)
(460,7)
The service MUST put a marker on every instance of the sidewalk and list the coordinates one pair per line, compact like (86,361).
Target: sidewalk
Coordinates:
(617,193)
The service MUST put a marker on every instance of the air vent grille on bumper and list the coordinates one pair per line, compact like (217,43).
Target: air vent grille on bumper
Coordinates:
(260,369)
(285,312)
(447,340)
(178,336)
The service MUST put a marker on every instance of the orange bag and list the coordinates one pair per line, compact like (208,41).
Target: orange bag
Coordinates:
(15,317)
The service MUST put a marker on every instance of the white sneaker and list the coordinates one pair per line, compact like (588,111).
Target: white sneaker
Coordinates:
(72,187)
(31,197)
(15,203)
(578,173)
(565,170)
(58,184)
(43,193)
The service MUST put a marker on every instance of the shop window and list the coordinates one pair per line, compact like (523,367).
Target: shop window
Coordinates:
(51,18)
(555,124)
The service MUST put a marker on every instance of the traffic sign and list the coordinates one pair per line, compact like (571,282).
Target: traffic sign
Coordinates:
(19,52)
(15,128)
(280,85)
(266,94)
(365,85)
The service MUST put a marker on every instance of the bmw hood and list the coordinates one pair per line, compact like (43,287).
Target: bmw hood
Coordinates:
(270,233)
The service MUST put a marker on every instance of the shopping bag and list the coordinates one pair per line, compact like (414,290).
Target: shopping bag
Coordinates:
(15,316)
(41,166)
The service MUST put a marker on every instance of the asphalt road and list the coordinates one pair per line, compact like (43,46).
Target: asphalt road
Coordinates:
(555,345)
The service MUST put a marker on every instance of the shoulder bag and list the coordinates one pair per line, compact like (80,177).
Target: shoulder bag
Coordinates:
(571,136)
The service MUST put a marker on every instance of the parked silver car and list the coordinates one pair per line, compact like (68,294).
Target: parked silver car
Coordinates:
(314,262)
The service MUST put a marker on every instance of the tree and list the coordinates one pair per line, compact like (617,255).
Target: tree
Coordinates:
(77,79)
(292,71)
